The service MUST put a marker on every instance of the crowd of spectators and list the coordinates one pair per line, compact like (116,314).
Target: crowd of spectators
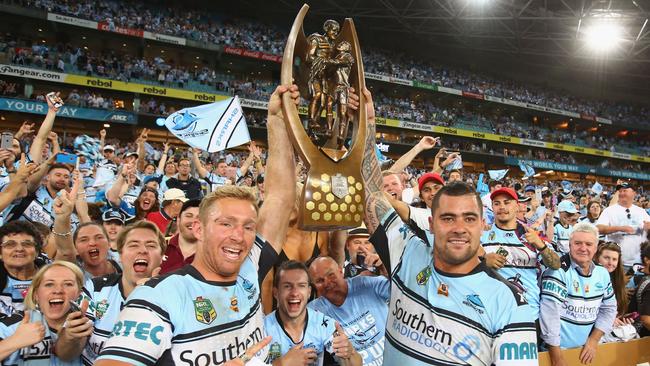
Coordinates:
(200,26)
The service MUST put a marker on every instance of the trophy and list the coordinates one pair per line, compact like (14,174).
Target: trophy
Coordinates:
(326,65)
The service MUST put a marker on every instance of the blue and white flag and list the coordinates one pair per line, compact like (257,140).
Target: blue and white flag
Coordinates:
(526,169)
(210,127)
(380,156)
(597,188)
(481,187)
(497,174)
(566,186)
(457,164)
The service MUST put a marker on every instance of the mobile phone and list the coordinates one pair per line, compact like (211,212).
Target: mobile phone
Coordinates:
(73,307)
(7,140)
(361,259)
(54,100)
(70,159)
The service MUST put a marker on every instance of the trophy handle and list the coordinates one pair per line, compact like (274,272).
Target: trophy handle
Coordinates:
(298,135)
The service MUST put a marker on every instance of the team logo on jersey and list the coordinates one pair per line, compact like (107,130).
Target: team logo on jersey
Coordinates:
(492,236)
(587,288)
(474,302)
(423,277)
(249,287)
(234,304)
(275,352)
(576,285)
(204,311)
(516,281)
(100,309)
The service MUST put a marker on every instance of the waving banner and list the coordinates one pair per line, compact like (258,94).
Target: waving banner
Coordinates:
(210,127)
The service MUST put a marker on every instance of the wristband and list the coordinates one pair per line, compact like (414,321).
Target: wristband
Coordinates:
(542,249)
(62,234)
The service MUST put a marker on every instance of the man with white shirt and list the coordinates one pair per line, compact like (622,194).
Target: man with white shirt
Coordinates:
(625,224)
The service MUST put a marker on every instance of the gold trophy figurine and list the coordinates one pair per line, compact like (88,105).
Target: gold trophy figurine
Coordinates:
(327,65)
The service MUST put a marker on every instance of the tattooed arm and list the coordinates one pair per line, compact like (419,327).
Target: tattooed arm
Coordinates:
(376,205)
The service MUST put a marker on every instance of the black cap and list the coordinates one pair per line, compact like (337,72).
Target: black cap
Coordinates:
(523,198)
(624,185)
(114,215)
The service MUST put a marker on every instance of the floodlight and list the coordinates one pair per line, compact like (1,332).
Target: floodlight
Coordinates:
(603,36)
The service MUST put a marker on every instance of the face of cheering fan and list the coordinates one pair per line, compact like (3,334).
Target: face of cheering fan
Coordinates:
(292,293)
(141,254)
(58,287)
(92,245)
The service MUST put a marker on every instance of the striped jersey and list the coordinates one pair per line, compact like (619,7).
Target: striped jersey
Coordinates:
(435,318)
(184,319)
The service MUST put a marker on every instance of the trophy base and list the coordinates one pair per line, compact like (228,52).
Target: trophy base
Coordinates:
(332,201)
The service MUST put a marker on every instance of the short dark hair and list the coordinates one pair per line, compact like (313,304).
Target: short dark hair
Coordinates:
(455,171)
(287,266)
(189,204)
(456,189)
(22,227)
(493,183)
(58,166)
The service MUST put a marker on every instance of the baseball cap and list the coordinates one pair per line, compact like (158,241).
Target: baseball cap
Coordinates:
(429,177)
(523,198)
(624,185)
(174,194)
(505,190)
(113,215)
(109,147)
(529,188)
(152,178)
(567,206)
(131,154)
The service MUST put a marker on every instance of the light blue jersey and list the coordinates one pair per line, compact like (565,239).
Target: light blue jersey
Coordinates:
(105,299)
(318,334)
(37,207)
(573,303)
(183,319)
(561,236)
(523,261)
(13,295)
(39,353)
(362,316)
(448,319)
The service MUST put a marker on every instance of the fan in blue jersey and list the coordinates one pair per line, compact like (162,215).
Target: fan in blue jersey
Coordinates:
(20,245)
(515,250)
(210,312)
(578,304)
(446,307)
(562,228)
(29,339)
(37,205)
(302,336)
(113,222)
(141,246)
(357,303)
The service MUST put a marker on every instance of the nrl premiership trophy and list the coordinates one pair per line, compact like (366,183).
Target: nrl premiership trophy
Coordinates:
(324,66)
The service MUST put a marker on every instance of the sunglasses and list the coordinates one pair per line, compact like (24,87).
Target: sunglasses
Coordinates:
(629,215)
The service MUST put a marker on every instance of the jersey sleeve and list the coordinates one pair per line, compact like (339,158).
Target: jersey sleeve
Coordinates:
(143,331)
(390,239)
(420,216)
(605,217)
(608,307)
(263,256)
(554,293)
(381,286)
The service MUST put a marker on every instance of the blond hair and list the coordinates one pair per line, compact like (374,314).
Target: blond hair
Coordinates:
(30,300)
(224,192)
(142,224)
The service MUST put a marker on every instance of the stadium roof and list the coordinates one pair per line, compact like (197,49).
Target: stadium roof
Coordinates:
(541,33)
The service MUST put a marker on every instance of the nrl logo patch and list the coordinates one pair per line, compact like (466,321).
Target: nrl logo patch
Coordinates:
(423,276)
(204,311)
(100,308)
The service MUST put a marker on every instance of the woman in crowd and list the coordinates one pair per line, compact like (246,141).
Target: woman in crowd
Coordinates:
(593,212)
(31,336)
(20,246)
(608,255)
(141,246)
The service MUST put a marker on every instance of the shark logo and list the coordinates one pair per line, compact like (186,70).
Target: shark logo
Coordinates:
(185,121)
(474,302)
